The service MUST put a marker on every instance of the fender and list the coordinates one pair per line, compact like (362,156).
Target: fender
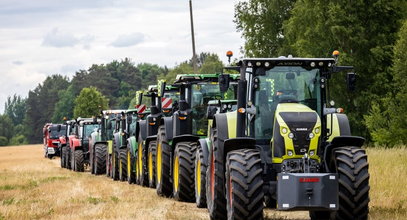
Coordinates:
(143,129)
(185,137)
(149,139)
(340,141)
(204,145)
(76,143)
(116,140)
(168,128)
(132,145)
(340,125)
(62,140)
(238,143)
(221,124)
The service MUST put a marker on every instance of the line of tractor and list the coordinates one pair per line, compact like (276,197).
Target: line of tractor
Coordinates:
(267,136)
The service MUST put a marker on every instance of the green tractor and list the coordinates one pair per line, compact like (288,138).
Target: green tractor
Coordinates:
(111,120)
(164,101)
(101,141)
(286,146)
(203,146)
(178,135)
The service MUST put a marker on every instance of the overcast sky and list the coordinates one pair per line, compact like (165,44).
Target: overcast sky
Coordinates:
(44,37)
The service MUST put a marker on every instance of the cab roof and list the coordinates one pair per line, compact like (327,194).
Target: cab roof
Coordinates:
(183,78)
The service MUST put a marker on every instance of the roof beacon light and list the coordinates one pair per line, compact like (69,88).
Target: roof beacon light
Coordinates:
(229,54)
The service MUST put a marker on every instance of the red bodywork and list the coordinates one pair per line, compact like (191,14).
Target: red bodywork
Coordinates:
(47,140)
(74,141)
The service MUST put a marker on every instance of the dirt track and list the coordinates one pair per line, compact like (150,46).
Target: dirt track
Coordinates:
(32,187)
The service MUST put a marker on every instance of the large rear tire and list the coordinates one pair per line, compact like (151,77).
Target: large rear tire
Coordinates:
(163,163)
(200,178)
(244,185)
(353,176)
(123,164)
(183,171)
(142,162)
(100,159)
(152,148)
(215,180)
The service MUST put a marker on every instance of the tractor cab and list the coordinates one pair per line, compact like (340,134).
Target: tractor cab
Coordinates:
(196,91)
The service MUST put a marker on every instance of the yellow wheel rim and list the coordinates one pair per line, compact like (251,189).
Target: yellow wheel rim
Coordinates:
(120,167)
(128,164)
(140,158)
(150,165)
(198,177)
(176,173)
(158,163)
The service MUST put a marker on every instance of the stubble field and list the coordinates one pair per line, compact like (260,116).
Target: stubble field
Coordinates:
(32,187)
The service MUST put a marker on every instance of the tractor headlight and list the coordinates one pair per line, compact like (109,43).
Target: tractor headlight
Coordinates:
(290,153)
(311,135)
(284,130)
(291,135)
(311,153)
(316,130)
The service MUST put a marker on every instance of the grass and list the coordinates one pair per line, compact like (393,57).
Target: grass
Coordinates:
(32,187)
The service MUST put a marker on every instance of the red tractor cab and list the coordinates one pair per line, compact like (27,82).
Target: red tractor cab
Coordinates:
(79,142)
(51,139)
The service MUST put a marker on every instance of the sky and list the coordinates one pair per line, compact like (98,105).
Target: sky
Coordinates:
(44,37)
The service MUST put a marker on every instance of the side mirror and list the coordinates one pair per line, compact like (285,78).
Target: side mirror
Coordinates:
(224,80)
(162,88)
(210,113)
(351,81)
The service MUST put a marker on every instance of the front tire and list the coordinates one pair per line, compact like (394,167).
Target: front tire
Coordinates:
(163,163)
(244,185)
(353,176)
(215,176)
(152,148)
(131,176)
(183,171)
(79,161)
(200,178)
(142,162)
(100,159)
(123,165)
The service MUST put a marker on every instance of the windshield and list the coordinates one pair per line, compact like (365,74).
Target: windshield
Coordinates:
(54,134)
(89,129)
(283,85)
(201,95)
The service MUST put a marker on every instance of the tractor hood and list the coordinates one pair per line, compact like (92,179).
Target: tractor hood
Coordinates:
(296,131)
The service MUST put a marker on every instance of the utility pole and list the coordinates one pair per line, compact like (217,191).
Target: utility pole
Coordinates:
(193,39)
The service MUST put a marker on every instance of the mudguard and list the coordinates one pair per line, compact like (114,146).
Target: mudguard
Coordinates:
(116,137)
(340,141)
(149,139)
(340,125)
(132,144)
(62,140)
(204,145)
(143,129)
(185,137)
(237,144)
(168,128)
(76,143)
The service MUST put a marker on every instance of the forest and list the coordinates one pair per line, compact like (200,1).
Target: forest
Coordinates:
(371,36)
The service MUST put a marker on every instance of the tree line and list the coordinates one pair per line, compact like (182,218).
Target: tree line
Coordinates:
(101,86)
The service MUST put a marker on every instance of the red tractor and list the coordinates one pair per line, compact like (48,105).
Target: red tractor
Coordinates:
(51,134)
(79,142)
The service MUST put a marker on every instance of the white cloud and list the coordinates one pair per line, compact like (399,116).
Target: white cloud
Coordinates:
(128,40)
